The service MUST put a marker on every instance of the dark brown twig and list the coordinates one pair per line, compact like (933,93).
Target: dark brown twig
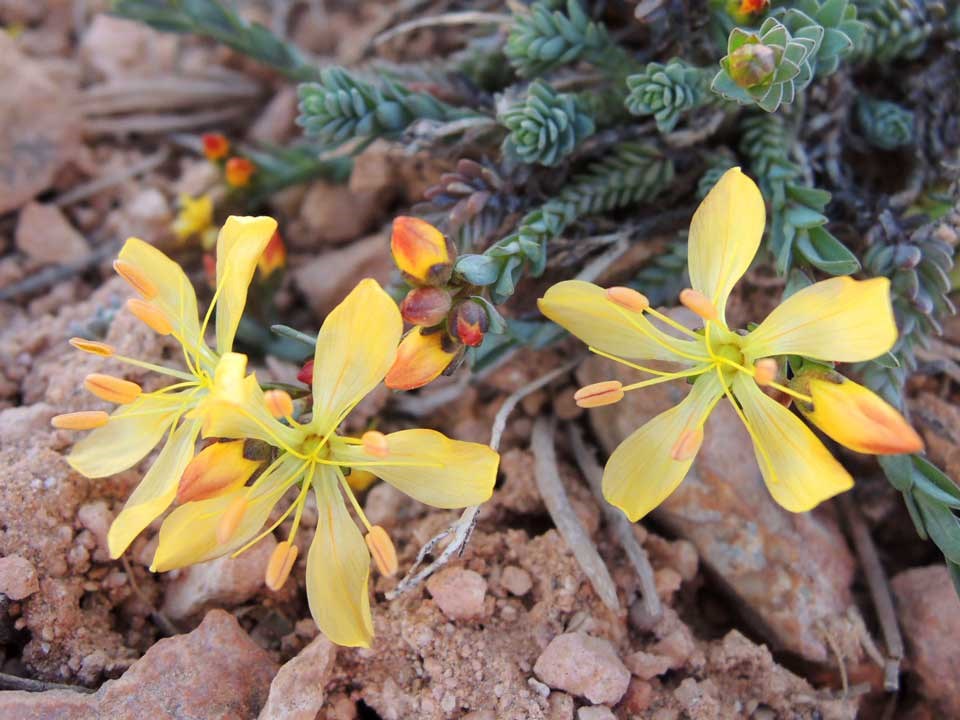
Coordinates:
(15,682)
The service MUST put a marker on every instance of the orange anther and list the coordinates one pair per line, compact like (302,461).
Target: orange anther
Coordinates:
(281,563)
(697,302)
(150,315)
(765,371)
(382,549)
(111,389)
(84,420)
(92,346)
(279,403)
(375,443)
(598,394)
(136,277)
(628,298)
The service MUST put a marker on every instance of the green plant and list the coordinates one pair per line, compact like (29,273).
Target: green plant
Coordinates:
(886,125)
(668,91)
(544,128)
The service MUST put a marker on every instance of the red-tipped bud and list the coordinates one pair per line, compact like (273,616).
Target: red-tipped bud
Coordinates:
(470,323)
(238,171)
(426,306)
(215,146)
(421,251)
(306,373)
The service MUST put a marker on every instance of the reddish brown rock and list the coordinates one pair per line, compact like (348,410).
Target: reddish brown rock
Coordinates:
(929,613)
(459,593)
(18,577)
(335,213)
(45,235)
(297,692)
(583,665)
(516,581)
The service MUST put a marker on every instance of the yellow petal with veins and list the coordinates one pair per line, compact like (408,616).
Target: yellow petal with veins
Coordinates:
(799,471)
(724,236)
(240,244)
(157,489)
(132,432)
(586,311)
(641,473)
(338,569)
(355,347)
(428,466)
(840,320)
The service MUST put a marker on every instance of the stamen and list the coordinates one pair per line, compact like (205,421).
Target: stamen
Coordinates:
(231,519)
(665,378)
(628,298)
(279,403)
(382,549)
(598,394)
(666,319)
(83,420)
(698,303)
(111,389)
(92,346)
(765,371)
(150,315)
(653,333)
(792,393)
(280,565)
(375,443)
(353,500)
(687,445)
(137,279)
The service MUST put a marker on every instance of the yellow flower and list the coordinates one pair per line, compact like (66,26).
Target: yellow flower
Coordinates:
(839,319)
(355,348)
(422,253)
(422,357)
(194,218)
(168,305)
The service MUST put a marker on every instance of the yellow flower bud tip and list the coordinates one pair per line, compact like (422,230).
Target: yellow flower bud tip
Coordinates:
(856,417)
(281,563)
(84,420)
(217,469)
(150,315)
(628,298)
(383,552)
(421,251)
(598,394)
(92,346)
(111,389)
(421,358)
(687,445)
(279,403)
(698,303)
(136,278)
(765,371)
(230,520)
(375,443)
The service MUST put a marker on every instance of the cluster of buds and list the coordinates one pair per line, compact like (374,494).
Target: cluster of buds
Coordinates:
(237,170)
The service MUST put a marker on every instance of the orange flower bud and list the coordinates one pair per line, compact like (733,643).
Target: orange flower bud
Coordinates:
(279,403)
(470,323)
(375,443)
(421,358)
(382,549)
(426,306)
(150,315)
(854,416)
(84,420)
(281,563)
(628,298)
(230,520)
(238,171)
(215,146)
(217,469)
(598,394)
(687,445)
(745,12)
(136,278)
(111,389)
(274,256)
(765,371)
(92,346)
(698,303)
(306,372)
(421,251)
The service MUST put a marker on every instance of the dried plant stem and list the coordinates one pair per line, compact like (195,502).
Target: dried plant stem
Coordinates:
(452,18)
(879,592)
(463,528)
(15,682)
(87,189)
(619,524)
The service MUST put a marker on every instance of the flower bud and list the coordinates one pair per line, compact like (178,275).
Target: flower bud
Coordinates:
(421,358)
(751,65)
(599,394)
(279,403)
(421,251)
(136,278)
(854,416)
(745,12)
(83,420)
(382,549)
(470,323)
(281,563)
(628,298)
(238,171)
(426,306)
(112,389)
(306,373)
(215,146)
(698,303)
(274,256)
(217,469)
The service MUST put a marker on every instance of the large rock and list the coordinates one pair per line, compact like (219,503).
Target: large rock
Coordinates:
(39,127)
(297,692)
(790,573)
(583,665)
(929,612)
(216,671)
(45,235)
(459,593)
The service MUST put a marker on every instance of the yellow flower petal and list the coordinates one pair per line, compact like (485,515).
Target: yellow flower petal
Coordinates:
(189,534)
(132,432)
(586,311)
(724,236)
(421,359)
(799,471)
(355,347)
(175,297)
(840,320)
(641,473)
(240,244)
(157,489)
(430,467)
(338,568)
